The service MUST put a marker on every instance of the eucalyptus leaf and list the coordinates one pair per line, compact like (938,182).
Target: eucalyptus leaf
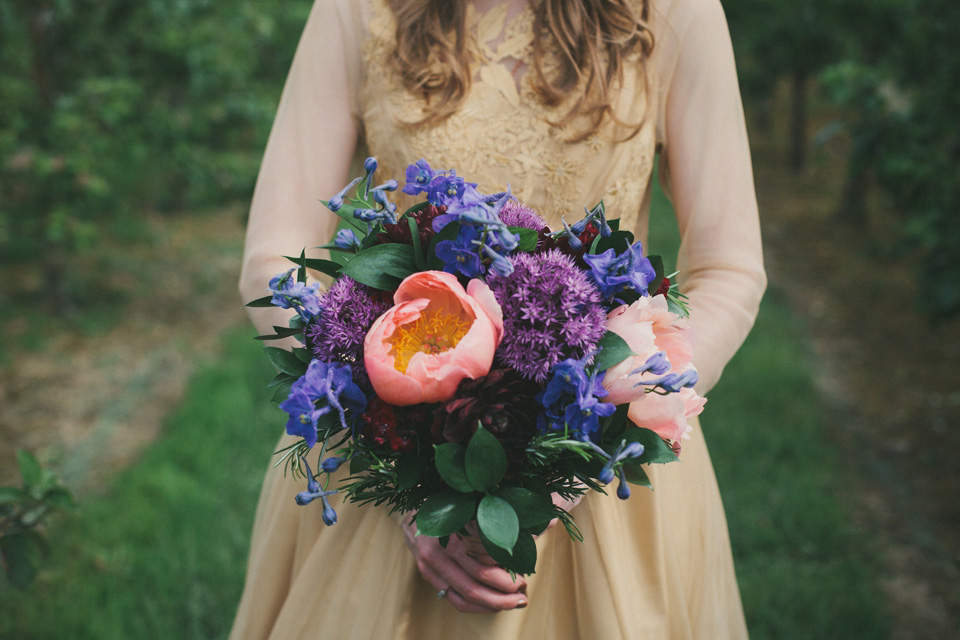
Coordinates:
(409,468)
(528,238)
(655,450)
(524,557)
(636,475)
(450,460)
(329,267)
(485,460)
(613,351)
(382,266)
(532,508)
(285,361)
(445,513)
(498,521)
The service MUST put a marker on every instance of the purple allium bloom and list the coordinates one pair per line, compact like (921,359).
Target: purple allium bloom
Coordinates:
(515,214)
(337,333)
(551,312)
(290,294)
(613,273)
(325,387)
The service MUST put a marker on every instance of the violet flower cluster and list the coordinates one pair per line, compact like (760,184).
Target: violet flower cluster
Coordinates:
(547,311)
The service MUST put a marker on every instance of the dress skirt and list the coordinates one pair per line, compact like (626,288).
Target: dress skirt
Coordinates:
(657,566)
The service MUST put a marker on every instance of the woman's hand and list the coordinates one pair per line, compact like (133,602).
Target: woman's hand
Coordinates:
(471,578)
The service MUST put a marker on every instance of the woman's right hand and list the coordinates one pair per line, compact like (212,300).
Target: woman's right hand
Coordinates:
(474,583)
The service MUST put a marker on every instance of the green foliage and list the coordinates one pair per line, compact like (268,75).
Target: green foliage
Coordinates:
(22,511)
(109,106)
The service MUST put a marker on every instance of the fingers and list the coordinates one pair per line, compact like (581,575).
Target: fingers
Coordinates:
(472,586)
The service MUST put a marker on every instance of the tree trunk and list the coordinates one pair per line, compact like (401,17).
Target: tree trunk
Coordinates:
(798,121)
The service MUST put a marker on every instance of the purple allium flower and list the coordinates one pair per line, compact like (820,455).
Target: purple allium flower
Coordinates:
(515,214)
(551,312)
(614,273)
(336,334)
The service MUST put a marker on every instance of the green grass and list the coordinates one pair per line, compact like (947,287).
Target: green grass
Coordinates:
(162,554)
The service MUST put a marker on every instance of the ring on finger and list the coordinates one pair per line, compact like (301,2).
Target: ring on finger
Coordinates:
(441,594)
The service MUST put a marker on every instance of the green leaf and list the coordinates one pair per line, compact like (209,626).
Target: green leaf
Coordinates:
(20,554)
(282,392)
(528,238)
(281,332)
(486,461)
(619,240)
(614,424)
(303,355)
(60,498)
(328,267)
(265,301)
(445,513)
(524,557)
(30,469)
(450,461)
(409,467)
(613,351)
(381,266)
(285,361)
(360,463)
(10,495)
(532,508)
(417,248)
(498,521)
(655,450)
(657,263)
(636,475)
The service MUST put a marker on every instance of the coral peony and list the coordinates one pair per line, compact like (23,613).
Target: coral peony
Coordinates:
(663,342)
(436,335)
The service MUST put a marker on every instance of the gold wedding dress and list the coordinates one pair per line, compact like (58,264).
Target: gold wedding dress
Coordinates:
(657,566)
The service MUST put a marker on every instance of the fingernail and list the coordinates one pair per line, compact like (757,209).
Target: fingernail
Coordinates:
(523,604)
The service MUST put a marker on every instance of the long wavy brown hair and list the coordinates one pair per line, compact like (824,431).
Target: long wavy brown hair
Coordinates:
(589,40)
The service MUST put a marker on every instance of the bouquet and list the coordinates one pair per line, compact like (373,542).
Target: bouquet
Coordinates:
(468,363)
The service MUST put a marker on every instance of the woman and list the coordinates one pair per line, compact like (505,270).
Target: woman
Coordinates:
(492,97)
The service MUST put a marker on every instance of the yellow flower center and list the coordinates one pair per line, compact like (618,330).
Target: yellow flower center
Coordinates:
(433,332)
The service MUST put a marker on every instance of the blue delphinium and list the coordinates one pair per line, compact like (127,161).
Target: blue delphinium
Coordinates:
(672,382)
(346,239)
(313,492)
(615,273)
(290,294)
(324,388)
(571,401)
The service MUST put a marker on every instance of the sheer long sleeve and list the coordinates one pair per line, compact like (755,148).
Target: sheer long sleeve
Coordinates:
(706,171)
(308,154)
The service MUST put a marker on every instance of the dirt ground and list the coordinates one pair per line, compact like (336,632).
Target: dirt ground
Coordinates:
(90,402)
(887,377)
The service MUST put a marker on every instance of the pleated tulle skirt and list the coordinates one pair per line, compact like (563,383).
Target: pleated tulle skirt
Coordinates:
(656,566)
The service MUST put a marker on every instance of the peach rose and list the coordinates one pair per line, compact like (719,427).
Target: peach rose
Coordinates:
(436,335)
(650,328)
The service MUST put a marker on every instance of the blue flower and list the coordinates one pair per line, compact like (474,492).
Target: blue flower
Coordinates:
(623,490)
(673,382)
(418,177)
(336,201)
(347,239)
(613,273)
(313,492)
(571,400)
(290,294)
(332,464)
(657,364)
(569,378)
(624,451)
(325,387)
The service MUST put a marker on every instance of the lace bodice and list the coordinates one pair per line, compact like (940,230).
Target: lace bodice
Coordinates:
(502,135)
(342,92)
